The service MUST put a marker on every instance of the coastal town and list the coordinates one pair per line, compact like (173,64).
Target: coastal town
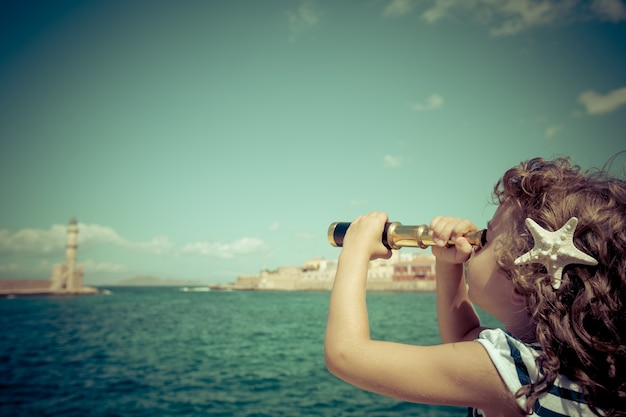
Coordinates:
(402,272)
(406,271)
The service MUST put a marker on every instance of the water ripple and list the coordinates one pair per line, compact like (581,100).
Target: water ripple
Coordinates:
(159,351)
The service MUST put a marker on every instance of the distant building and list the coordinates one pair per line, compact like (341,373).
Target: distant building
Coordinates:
(420,267)
(68,276)
(409,272)
(316,264)
(65,279)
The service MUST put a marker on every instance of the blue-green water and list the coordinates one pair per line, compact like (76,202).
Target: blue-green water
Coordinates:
(163,352)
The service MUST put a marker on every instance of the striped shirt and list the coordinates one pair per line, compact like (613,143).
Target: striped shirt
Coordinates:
(515,362)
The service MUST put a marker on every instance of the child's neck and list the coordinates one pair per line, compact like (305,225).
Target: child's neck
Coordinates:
(522,327)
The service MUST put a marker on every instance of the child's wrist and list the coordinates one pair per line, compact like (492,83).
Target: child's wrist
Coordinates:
(448,271)
(353,254)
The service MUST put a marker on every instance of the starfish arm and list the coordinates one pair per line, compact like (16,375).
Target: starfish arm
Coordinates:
(554,250)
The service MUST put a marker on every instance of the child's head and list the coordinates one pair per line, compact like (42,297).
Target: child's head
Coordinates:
(582,324)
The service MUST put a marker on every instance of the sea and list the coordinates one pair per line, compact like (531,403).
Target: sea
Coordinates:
(161,351)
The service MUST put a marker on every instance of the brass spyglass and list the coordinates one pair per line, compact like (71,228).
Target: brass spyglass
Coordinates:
(396,236)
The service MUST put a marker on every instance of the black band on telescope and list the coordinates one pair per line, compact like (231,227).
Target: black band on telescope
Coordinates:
(339,232)
(340,229)
(385,238)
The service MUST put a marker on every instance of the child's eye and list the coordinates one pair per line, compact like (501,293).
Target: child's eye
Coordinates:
(482,241)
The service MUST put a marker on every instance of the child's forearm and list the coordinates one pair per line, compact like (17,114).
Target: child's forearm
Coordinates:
(347,312)
(347,331)
(455,313)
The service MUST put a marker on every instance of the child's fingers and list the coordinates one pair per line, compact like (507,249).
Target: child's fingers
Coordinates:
(365,234)
(463,249)
(444,229)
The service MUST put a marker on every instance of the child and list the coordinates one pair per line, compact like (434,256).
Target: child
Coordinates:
(552,270)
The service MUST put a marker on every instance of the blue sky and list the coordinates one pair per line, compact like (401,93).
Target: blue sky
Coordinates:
(207,139)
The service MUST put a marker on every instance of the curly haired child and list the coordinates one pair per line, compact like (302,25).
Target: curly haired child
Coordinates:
(552,269)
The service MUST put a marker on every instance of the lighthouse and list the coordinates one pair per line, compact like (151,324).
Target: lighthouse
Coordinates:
(69,276)
(71,248)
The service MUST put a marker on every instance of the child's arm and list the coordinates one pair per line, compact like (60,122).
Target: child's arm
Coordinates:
(347,314)
(451,374)
(456,316)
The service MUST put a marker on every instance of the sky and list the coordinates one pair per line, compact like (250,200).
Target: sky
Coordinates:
(202,140)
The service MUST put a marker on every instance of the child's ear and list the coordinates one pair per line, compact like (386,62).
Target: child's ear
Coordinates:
(518,299)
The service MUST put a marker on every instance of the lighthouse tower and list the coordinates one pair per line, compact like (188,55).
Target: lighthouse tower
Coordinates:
(68,276)
(70,256)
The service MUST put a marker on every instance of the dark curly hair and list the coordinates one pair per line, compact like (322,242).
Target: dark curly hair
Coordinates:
(581,326)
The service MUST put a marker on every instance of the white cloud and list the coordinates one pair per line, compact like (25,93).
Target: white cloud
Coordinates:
(158,245)
(552,131)
(40,241)
(305,17)
(12,267)
(433,102)
(243,246)
(520,15)
(611,10)
(30,240)
(398,8)
(306,236)
(510,17)
(358,202)
(273,227)
(597,104)
(439,10)
(94,234)
(392,161)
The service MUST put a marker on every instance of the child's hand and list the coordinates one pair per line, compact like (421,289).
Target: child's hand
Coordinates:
(365,235)
(444,229)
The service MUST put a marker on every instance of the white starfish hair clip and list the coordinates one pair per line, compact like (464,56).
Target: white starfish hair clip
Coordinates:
(554,250)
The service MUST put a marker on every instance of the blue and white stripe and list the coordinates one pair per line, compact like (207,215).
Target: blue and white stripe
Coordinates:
(515,362)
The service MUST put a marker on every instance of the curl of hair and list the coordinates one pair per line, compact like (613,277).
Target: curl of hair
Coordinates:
(582,325)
